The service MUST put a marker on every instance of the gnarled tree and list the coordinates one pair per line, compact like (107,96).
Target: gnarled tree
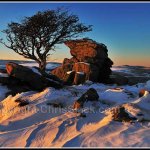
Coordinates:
(34,37)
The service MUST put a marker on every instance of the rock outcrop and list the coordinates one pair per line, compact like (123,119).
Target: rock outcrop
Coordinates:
(23,79)
(120,114)
(90,95)
(89,58)
(142,92)
(33,79)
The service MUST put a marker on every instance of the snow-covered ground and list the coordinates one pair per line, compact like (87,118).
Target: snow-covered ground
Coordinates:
(122,69)
(33,64)
(41,125)
(138,71)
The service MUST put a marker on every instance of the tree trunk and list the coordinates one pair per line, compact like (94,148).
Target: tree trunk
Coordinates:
(42,65)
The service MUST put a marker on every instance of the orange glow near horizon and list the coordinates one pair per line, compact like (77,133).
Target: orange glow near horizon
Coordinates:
(133,61)
(59,57)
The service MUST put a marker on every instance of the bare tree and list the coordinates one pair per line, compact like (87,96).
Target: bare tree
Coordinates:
(34,37)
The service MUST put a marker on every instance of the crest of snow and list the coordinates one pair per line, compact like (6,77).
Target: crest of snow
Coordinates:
(84,63)
(31,64)
(52,66)
(52,80)
(82,73)
(36,71)
(34,64)
(8,107)
(98,86)
(3,75)
(88,82)
(134,89)
(112,96)
(143,101)
(140,106)
(122,69)
(69,72)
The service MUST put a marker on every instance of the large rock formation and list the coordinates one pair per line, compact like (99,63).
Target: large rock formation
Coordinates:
(86,50)
(33,78)
(22,79)
(89,58)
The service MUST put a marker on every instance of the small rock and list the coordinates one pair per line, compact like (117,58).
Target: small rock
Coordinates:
(57,105)
(142,92)
(78,105)
(119,114)
(82,115)
(21,102)
(90,95)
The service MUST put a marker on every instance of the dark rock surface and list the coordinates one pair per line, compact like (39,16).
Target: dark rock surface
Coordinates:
(90,95)
(119,114)
(22,79)
(90,58)
(34,80)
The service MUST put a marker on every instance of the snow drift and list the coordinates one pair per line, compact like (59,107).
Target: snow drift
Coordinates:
(41,125)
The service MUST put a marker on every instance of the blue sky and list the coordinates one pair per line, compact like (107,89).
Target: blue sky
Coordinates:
(123,27)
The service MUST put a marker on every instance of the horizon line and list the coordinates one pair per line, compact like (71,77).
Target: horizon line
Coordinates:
(61,62)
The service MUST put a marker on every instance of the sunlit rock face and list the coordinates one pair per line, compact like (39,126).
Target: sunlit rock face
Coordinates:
(86,50)
(88,57)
